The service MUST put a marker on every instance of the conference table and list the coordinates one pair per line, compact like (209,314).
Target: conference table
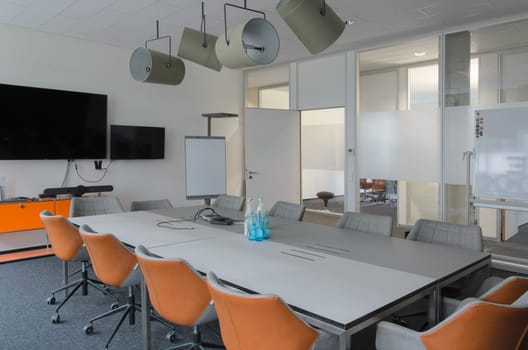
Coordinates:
(335,279)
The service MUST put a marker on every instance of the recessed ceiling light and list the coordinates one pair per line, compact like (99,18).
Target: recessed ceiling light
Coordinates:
(419,54)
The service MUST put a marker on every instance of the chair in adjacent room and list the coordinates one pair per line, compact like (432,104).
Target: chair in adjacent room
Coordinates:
(67,245)
(478,325)
(85,206)
(377,224)
(250,322)
(287,210)
(229,202)
(178,294)
(116,266)
(150,205)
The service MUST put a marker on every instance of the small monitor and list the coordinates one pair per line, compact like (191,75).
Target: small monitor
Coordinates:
(137,142)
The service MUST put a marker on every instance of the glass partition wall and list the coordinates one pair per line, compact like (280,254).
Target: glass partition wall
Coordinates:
(400,131)
(416,112)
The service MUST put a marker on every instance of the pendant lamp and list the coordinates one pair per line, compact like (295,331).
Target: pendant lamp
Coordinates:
(314,22)
(252,43)
(199,47)
(150,66)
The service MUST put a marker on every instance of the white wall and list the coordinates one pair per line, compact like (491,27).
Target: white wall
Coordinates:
(44,60)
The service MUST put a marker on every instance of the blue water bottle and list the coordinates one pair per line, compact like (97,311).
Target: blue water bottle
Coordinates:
(251,227)
(266,225)
(259,219)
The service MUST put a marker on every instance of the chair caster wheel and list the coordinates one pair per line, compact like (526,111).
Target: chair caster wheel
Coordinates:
(88,329)
(171,337)
(114,305)
(55,319)
(51,300)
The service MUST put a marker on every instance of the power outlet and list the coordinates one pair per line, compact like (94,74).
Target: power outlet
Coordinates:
(98,164)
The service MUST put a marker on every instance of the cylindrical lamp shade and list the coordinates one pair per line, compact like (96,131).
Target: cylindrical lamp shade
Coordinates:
(151,66)
(243,43)
(316,31)
(191,49)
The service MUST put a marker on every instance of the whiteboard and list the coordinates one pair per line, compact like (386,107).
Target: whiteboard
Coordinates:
(205,166)
(501,153)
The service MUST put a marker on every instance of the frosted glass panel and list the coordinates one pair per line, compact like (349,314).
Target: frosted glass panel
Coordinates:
(514,77)
(459,138)
(400,145)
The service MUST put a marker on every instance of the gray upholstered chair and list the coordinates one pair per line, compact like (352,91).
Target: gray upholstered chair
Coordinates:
(229,202)
(494,289)
(287,210)
(478,325)
(453,235)
(85,206)
(150,205)
(378,224)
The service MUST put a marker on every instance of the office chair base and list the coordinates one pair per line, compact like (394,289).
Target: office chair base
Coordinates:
(196,342)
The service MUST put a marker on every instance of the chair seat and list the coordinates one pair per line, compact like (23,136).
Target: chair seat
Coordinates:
(325,195)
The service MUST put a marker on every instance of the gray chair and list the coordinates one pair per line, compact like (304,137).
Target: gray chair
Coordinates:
(378,224)
(150,205)
(229,202)
(287,210)
(453,235)
(85,206)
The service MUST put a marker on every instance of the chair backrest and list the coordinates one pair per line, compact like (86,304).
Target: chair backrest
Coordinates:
(258,322)
(455,235)
(65,239)
(377,224)
(150,205)
(177,292)
(508,291)
(287,210)
(229,202)
(480,326)
(111,260)
(85,206)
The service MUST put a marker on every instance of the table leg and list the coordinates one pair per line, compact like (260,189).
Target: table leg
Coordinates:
(434,306)
(145,316)
(65,276)
(344,341)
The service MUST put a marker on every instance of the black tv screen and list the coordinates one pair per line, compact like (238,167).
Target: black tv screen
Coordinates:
(41,123)
(137,142)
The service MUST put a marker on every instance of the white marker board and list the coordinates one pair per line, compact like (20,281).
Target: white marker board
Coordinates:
(205,166)
(501,153)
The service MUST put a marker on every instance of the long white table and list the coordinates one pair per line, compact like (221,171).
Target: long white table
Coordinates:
(335,279)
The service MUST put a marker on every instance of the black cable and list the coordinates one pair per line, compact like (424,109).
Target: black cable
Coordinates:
(91,181)
(165,222)
(198,214)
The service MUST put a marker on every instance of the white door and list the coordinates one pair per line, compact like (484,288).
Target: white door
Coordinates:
(273,156)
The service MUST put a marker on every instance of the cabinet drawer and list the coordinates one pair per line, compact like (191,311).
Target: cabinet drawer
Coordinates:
(22,216)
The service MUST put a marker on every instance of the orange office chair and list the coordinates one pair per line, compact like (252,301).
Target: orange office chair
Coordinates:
(68,246)
(258,322)
(178,293)
(493,290)
(477,326)
(116,266)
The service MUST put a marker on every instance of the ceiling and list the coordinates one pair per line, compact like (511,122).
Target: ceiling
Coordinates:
(128,23)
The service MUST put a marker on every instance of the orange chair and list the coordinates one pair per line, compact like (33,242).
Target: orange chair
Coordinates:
(178,293)
(68,246)
(258,322)
(493,290)
(477,326)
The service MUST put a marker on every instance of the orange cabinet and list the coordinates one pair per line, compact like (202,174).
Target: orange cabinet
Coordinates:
(25,215)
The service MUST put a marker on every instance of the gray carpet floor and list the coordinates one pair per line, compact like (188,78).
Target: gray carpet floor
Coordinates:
(25,321)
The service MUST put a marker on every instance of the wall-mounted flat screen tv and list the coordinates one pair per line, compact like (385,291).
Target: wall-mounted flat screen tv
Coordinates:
(137,142)
(41,123)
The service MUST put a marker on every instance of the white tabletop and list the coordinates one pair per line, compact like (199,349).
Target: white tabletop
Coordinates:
(333,288)
(140,227)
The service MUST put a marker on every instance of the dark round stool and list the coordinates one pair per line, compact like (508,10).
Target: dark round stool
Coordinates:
(325,196)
